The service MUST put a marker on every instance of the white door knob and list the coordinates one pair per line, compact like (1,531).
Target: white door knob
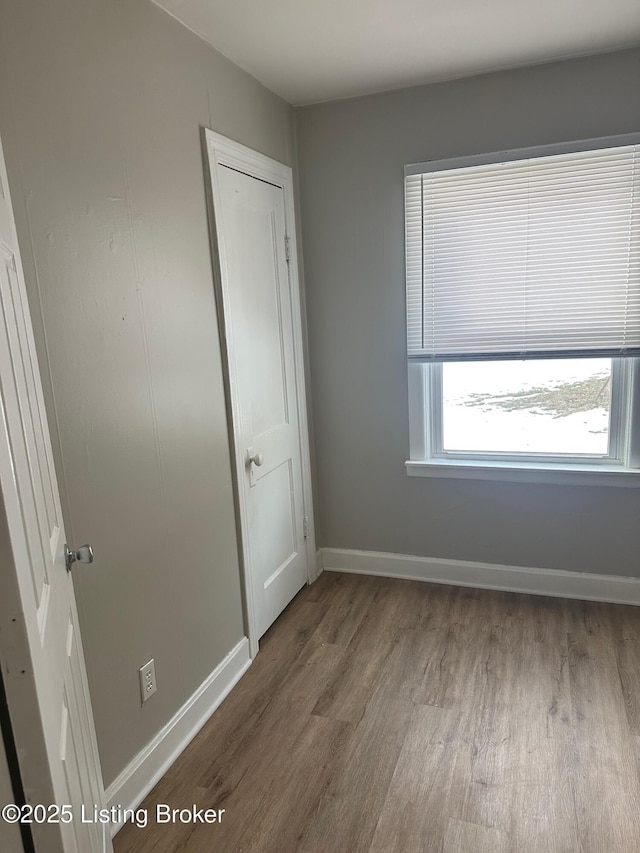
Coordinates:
(257,459)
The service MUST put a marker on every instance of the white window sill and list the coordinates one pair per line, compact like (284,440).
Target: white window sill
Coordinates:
(526,472)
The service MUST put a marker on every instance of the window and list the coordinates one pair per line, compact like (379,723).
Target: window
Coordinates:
(523,313)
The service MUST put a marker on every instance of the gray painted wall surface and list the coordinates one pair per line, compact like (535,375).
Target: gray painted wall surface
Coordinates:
(351,158)
(101,103)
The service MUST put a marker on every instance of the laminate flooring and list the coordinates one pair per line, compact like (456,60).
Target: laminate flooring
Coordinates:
(390,715)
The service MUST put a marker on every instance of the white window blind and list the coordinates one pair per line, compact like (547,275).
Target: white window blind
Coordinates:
(530,258)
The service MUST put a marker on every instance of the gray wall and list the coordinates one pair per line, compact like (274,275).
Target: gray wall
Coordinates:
(351,157)
(101,103)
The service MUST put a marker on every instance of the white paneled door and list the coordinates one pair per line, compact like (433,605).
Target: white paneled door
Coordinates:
(40,646)
(263,334)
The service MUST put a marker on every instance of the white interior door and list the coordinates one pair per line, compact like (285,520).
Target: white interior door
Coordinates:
(262,325)
(40,646)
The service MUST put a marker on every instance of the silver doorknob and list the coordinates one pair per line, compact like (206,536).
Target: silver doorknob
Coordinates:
(84,554)
(257,459)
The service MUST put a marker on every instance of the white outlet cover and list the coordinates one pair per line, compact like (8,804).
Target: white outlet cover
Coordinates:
(148,685)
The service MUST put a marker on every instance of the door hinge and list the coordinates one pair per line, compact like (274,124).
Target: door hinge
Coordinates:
(305,527)
(287,247)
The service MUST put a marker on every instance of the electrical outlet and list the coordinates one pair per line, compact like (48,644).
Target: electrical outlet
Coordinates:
(148,684)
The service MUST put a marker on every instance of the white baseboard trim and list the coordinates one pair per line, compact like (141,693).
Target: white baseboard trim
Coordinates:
(152,762)
(562,584)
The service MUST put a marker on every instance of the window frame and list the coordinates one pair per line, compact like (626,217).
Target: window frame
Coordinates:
(620,467)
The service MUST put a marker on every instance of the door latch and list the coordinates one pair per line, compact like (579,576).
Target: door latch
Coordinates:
(84,554)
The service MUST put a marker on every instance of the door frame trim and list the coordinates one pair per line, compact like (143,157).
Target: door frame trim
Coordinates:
(221,151)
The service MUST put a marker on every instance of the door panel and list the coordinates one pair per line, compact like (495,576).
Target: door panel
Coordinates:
(41,520)
(260,310)
(50,708)
(275,519)
(250,219)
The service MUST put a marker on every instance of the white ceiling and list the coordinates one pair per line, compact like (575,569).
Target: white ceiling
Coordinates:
(319,50)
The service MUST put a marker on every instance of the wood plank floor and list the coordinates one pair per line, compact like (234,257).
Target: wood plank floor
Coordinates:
(388,715)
